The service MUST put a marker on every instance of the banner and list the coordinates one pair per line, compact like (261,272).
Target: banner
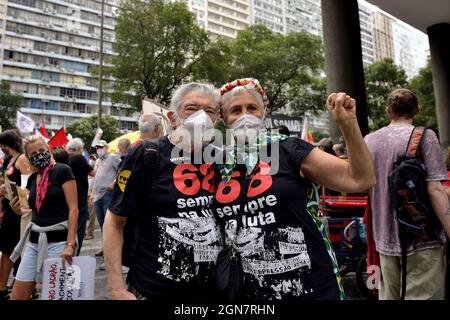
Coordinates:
(97,137)
(293,124)
(75,282)
(24,123)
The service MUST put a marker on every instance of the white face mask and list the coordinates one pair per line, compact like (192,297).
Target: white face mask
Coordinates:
(247,125)
(196,126)
(101,152)
(198,120)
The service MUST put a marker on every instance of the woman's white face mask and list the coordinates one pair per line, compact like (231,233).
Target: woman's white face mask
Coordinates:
(246,126)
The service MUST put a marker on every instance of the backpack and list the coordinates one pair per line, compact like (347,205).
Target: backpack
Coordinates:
(408,193)
(132,227)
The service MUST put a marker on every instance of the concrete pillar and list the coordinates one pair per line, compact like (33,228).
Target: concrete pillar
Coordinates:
(439,38)
(343,56)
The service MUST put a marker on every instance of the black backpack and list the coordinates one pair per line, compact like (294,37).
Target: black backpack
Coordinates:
(408,193)
(131,229)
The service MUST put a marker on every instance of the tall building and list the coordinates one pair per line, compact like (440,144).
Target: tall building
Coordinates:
(411,49)
(50,50)
(270,13)
(383,38)
(2,30)
(221,18)
(284,16)
(394,39)
(367,31)
(303,15)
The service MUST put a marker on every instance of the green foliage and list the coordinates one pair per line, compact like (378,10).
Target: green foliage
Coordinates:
(9,105)
(319,135)
(86,128)
(422,85)
(288,67)
(382,77)
(157,45)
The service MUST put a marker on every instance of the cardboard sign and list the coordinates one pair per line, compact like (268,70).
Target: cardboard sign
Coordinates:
(75,282)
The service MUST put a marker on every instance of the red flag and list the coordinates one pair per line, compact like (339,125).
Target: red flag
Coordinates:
(43,132)
(59,139)
(42,128)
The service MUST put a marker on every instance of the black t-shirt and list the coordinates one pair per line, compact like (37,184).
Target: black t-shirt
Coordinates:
(282,251)
(54,208)
(81,169)
(179,239)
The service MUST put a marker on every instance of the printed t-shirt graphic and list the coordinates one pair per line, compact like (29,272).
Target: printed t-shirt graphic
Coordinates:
(179,239)
(282,251)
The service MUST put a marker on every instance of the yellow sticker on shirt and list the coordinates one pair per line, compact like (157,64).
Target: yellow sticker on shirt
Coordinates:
(122,179)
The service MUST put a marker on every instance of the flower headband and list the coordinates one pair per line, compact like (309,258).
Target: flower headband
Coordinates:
(246,83)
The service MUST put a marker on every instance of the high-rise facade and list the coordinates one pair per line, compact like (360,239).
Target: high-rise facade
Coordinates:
(2,30)
(221,18)
(284,16)
(367,32)
(51,48)
(383,37)
(270,13)
(303,15)
(411,49)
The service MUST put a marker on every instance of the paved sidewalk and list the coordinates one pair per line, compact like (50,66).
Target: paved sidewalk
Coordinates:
(90,247)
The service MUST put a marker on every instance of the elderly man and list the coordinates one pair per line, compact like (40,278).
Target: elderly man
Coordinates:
(81,170)
(178,240)
(150,127)
(122,147)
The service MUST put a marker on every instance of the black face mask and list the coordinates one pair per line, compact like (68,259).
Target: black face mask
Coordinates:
(40,160)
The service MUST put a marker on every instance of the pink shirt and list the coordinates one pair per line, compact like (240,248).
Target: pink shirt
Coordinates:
(386,145)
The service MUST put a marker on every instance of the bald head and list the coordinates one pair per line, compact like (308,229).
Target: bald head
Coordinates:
(150,126)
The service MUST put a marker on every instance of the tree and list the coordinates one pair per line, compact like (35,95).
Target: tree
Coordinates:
(9,105)
(382,77)
(157,45)
(86,128)
(422,85)
(288,67)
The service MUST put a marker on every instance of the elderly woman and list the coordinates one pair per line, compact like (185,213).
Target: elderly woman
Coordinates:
(53,202)
(283,250)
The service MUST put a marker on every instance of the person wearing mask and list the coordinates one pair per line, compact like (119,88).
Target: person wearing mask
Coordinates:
(168,196)
(106,168)
(81,170)
(14,165)
(53,203)
(262,204)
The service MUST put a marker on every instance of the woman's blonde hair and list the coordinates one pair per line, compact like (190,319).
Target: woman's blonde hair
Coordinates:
(31,139)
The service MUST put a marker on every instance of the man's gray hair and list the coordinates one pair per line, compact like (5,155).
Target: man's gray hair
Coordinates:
(75,145)
(183,90)
(125,143)
(148,122)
